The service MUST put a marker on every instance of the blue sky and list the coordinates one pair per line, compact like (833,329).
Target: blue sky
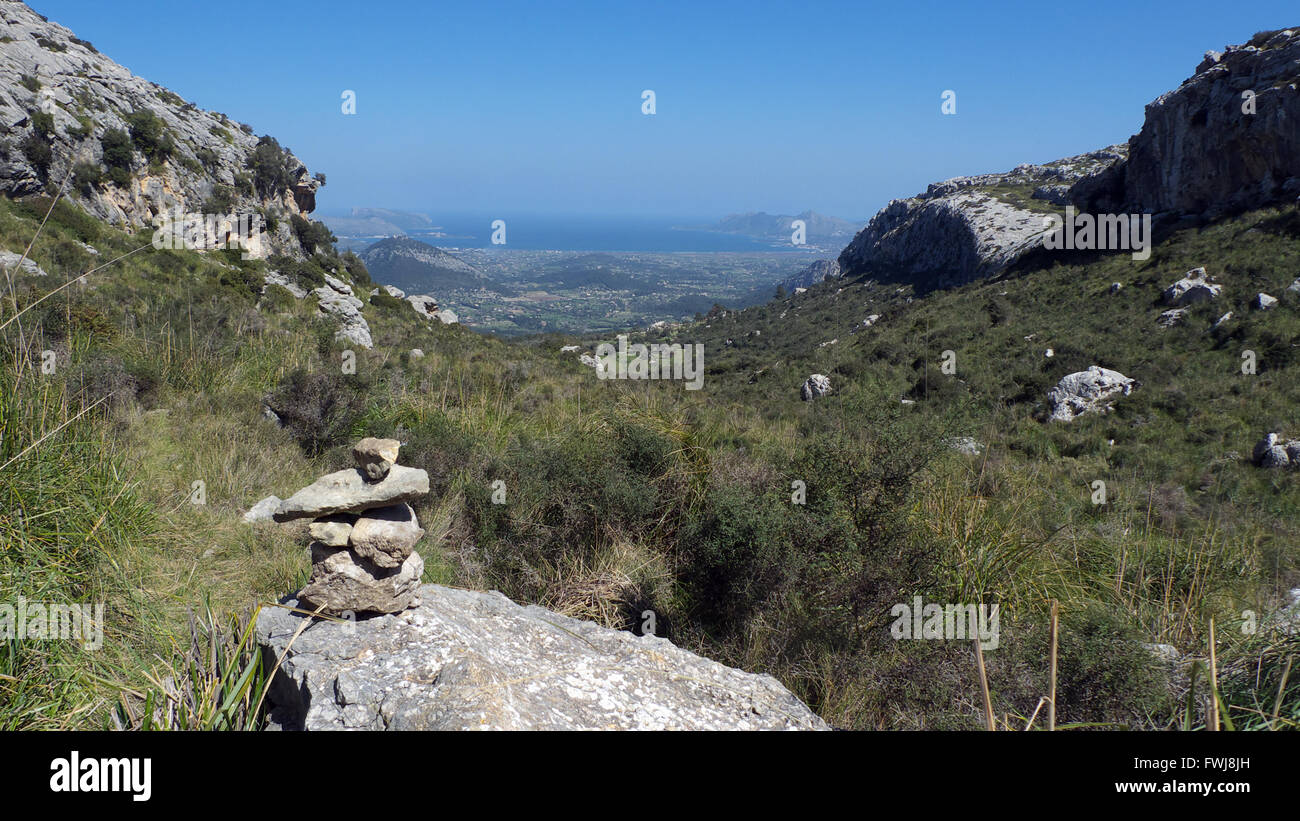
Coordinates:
(516,107)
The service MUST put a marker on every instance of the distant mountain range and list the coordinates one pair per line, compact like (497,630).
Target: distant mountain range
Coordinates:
(418,266)
(818,228)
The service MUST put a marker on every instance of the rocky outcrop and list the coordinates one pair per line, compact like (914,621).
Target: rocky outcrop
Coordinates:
(277,278)
(338,301)
(815,274)
(466,660)
(1087,391)
(17,262)
(1195,286)
(965,228)
(179,157)
(1172,317)
(1273,452)
(815,387)
(1225,140)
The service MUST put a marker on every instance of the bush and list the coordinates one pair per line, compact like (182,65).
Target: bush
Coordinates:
(221,201)
(318,409)
(38,152)
(87,175)
(43,123)
(270,166)
(150,135)
(311,234)
(118,155)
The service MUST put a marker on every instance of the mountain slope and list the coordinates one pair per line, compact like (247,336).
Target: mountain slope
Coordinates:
(418,266)
(766,532)
(128,148)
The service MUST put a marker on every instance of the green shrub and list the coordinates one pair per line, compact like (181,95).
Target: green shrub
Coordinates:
(221,200)
(38,152)
(118,155)
(270,166)
(150,135)
(312,235)
(318,409)
(87,175)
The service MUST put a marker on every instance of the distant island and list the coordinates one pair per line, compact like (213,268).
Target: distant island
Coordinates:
(818,228)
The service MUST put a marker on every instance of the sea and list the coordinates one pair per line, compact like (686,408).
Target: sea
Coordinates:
(533,232)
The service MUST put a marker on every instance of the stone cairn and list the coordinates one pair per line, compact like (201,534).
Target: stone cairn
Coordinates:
(363,533)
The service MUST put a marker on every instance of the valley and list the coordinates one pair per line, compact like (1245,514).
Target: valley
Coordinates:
(691,487)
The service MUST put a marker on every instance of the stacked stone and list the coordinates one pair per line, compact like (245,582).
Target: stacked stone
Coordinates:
(363,533)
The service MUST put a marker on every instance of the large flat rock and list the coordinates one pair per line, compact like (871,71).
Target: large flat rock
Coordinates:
(349,491)
(466,660)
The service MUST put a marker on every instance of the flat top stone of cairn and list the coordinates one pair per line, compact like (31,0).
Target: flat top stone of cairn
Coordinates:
(375,457)
(351,491)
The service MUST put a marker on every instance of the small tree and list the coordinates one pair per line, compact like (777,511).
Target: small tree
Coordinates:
(118,155)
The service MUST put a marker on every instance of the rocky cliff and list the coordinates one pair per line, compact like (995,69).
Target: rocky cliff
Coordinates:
(968,227)
(1227,139)
(64,109)
(816,273)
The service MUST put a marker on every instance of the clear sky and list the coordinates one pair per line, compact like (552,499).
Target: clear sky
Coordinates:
(536,106)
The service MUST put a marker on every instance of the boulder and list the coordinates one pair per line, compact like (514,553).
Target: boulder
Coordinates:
(814,387)
(375,457)
(1293,452)
(386,535)
(1087,392)
(1172,317)
(351,491)
(346,309)
(425,306)
(592,362)
(1294,287)
(277,278)
(10,261)
(1271,452)
(1263,302)
(416,353)
(263,510)
(966,445)
(1195,286)
(1221,320)
(467,660)
(342,582)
